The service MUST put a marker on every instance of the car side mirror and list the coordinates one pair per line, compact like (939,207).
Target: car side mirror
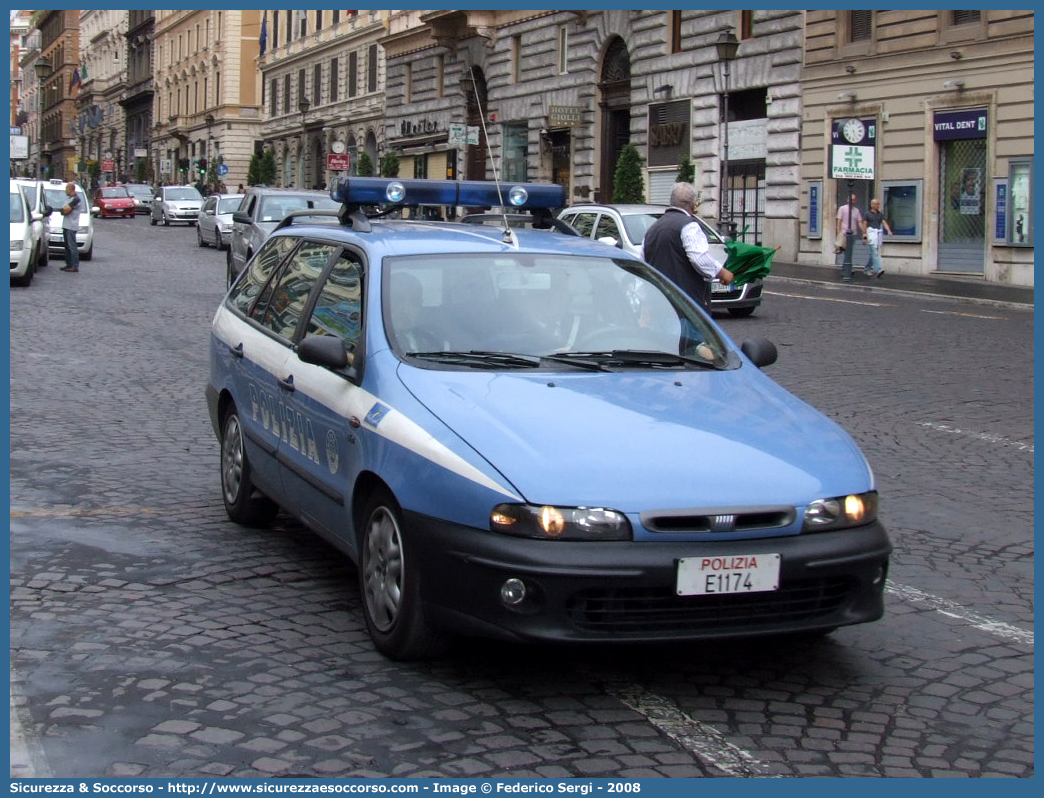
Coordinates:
(760,351)
(323,350)
(36,217)
(241,217)
(95,210)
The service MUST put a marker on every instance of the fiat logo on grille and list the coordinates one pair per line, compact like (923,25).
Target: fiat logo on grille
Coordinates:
(722,523)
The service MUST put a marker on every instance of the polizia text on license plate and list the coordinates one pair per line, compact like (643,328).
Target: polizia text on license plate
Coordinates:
(729,573)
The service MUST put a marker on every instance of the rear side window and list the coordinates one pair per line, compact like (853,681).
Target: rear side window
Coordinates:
(338,309)
(584,223)
(281,305)
(259,270)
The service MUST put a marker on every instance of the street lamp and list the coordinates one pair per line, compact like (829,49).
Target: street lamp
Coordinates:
(43,68)
(303,106)
(727,45)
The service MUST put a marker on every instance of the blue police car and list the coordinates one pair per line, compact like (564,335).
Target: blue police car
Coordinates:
(528,435)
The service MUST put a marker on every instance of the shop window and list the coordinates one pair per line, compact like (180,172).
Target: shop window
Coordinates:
(1020,182)
(901,202)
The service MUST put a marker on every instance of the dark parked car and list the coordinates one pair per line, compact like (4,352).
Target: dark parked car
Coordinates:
(262,209)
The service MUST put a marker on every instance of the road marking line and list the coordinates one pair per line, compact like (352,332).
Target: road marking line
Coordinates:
(830,299)
(705,742)
(982,436)
(953,610)
(958,313)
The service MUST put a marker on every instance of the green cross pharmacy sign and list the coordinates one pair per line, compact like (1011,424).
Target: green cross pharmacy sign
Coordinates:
(852,149)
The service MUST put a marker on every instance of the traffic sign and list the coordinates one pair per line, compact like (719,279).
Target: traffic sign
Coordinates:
(222,169)
(338,162)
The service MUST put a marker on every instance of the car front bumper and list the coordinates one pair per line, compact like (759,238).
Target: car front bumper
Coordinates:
(57,242)
(118,211)
(746,296)
(626,591)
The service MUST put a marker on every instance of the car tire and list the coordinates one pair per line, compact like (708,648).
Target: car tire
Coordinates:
(742,313)
(166,221)
(89,254)
(199,237)
(243,502)
(26,279)
(152,220)
(389,580)
(44,258)
(217,240)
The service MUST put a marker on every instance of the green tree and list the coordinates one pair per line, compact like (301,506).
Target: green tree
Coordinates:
(390,164)
(254,170)
(268,168)
(628,185)
(365,167)
(686,170)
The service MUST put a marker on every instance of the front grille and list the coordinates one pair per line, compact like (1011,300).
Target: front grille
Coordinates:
(719,519)
(661,611)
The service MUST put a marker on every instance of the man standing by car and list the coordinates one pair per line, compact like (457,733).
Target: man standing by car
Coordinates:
(677,246)
(70,224)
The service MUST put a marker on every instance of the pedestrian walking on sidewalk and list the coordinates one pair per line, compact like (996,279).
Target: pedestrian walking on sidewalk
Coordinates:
(874,228)
(70,224)
(849,223)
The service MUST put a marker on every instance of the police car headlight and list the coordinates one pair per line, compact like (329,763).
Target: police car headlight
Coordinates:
(840,512)
(18,245)
(559,523)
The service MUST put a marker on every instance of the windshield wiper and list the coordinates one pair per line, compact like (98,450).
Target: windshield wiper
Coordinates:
(631,357)
(480,359)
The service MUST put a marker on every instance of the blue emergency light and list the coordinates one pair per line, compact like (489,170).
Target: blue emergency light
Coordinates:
(467,193)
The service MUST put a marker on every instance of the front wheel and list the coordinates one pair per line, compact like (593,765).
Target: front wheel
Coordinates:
(199,237)
(230,274)
(166,221)
(389,579)
(243,502)
(741,313)
(89,253)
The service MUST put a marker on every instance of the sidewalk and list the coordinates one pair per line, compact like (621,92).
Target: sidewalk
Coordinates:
(967,289)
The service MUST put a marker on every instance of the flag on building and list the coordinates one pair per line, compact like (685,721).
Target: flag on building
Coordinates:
(75,80)
(263,40)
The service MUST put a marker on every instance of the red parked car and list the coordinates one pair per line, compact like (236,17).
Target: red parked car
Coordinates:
(115,202)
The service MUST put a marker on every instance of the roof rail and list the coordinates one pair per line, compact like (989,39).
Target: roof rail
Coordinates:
(288,220)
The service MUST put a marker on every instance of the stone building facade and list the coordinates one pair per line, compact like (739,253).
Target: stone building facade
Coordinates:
(948,99)
(101,79)
(554,96)
(139,95)
(60,50)
(206,102)
(323,84)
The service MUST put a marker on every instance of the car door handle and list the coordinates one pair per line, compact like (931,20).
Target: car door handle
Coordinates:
(287,384)
(237,350)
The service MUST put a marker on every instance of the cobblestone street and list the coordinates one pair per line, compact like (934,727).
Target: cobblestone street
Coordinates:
(152,637)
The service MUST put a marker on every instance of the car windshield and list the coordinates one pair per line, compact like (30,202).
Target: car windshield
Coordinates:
(273,209)
(527,310)
(56,198)
(636,225)
(228,204)
(110,193)
(17,212)
(181,194)
(143,192)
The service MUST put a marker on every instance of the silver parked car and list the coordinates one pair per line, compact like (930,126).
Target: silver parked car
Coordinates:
(214,223)
(176,204)
(624,226)
(142,195)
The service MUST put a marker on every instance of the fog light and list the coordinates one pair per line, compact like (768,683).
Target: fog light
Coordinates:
(879,577)
(513,592)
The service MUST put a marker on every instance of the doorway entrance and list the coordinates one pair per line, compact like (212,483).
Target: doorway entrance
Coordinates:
(962,211)
(615,90)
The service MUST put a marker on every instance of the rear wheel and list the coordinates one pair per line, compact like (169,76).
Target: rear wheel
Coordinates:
(243,502)
(389,578)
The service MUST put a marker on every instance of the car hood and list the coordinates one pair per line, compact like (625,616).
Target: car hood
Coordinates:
(635,441)
(184,204)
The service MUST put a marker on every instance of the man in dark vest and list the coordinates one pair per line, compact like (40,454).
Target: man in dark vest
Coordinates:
(677,246)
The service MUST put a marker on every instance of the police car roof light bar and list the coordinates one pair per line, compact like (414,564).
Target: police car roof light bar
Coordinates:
(355,191)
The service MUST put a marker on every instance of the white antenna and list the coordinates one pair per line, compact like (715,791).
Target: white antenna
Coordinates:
(509,234)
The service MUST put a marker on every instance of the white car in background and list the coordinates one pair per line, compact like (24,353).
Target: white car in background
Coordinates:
(34,197)
(214,223)
(23,247)
(176,204)
(54,195)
